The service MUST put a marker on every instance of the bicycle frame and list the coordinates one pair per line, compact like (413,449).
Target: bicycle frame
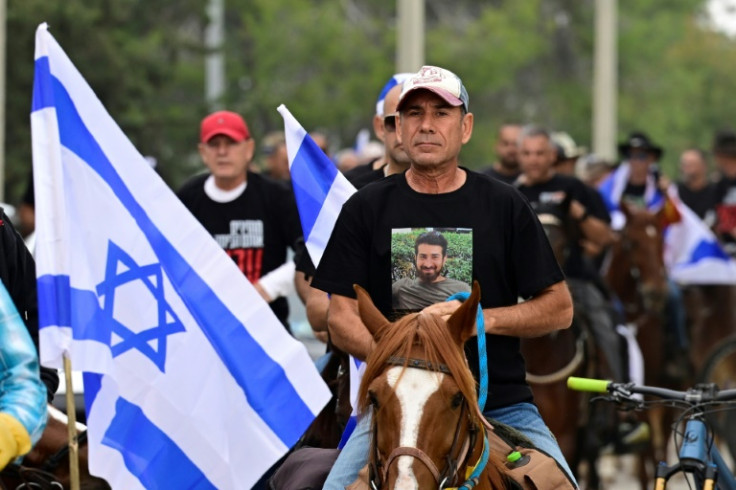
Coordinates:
(696,458)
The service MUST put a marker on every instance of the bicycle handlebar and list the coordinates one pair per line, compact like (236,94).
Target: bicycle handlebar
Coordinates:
(699,394)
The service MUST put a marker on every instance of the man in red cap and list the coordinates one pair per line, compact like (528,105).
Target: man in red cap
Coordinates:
(253,218)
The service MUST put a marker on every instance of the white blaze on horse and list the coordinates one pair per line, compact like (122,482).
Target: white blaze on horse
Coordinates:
(427,429)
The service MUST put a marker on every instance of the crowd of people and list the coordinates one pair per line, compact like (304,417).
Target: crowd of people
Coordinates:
(415,190)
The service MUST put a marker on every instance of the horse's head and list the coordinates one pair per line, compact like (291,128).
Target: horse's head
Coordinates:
(555,229)
(425,428)
(637,265)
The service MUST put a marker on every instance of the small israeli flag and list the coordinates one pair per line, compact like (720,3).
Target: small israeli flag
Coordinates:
(320,192)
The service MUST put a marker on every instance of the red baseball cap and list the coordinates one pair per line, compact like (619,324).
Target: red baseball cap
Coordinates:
(223,122)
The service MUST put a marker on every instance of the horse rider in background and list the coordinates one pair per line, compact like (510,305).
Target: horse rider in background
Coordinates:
(569,200)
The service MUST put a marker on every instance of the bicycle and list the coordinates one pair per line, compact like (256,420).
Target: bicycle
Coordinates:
(698,454)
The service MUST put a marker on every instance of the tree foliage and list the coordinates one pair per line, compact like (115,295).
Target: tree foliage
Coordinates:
(527,61)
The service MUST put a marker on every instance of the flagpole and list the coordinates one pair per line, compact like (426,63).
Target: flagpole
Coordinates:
(71,410)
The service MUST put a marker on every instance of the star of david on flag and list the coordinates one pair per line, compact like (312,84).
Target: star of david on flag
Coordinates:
(150,341)
(190,380)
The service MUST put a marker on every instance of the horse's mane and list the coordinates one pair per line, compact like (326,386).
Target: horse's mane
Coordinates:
(431,333)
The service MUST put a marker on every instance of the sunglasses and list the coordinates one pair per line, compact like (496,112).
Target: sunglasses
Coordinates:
(641,156)
(389,122)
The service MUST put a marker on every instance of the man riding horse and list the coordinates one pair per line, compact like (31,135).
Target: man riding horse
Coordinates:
(511,256)
(587,223)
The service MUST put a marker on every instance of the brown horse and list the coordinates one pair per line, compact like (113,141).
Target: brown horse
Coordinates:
(580,429)
(47,465)
(711,314)
(427,428)
(636,274)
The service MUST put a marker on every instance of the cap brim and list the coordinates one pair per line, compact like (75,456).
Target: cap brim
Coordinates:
(232,133)
(446,96)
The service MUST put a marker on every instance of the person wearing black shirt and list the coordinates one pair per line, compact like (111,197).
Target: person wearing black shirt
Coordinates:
(645,181)
(363,174)
(567,198)
(695,188)
(510,256)
(252,217)
(506,167)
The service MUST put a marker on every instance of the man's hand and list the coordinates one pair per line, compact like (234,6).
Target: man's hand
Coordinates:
(443,309)
(14,439)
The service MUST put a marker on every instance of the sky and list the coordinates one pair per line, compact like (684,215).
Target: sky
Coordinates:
(723,15)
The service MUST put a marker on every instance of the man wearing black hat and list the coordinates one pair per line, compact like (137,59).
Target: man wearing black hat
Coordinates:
(644,180)
(643,156)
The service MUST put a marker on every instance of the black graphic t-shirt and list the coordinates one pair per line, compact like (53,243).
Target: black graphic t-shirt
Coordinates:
(554,196)
(255,229)
(512,257)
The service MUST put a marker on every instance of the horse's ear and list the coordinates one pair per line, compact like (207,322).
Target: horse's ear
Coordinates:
(462,322)
(369,314)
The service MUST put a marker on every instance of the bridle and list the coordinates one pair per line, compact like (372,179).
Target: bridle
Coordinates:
(378,470)
(638,305)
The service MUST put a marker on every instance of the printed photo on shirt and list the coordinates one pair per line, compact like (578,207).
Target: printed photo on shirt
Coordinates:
(428,265)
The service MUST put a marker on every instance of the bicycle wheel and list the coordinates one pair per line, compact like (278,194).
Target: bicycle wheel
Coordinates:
(720,368)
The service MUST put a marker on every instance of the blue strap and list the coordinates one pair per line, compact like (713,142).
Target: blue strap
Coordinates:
(482,354)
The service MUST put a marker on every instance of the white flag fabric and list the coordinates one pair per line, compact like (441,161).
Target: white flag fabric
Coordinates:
(612,188)
(692,252)
(320,192)
(190,380)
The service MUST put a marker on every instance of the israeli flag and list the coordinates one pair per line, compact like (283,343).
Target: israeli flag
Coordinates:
(191,381)
(692,252)
(319,188)
(613,187)
(320,192)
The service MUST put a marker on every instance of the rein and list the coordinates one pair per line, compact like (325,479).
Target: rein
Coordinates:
(55,459)
(378,473)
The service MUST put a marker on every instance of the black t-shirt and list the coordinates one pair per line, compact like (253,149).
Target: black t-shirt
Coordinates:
(255,229)
(554,196)
(511,256)
(363,179)
(635,194)
(701,201)
(359,172)
(507,179)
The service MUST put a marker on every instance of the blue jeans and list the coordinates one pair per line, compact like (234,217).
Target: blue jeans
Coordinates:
(523,417)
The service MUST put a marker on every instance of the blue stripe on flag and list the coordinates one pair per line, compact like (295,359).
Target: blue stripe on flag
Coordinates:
(92,383)
(348,431)
(148,452)
(263,381)
(63,306)
(312,175)
(706,249)
(42,92)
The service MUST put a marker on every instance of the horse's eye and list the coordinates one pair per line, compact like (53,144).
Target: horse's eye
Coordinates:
(373,399)
(457,400)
